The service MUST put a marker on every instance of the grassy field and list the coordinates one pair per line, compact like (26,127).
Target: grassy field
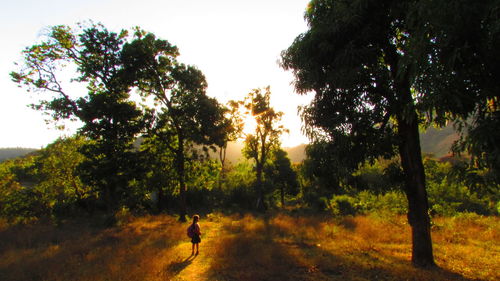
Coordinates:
(246,247)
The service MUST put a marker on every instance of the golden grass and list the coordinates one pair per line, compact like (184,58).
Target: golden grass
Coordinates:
(247,247)
(138,250)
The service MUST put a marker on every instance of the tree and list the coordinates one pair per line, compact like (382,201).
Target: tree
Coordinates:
(108,117)
(357,58)
(281,174)
(465,66)
(161,177)
(234,130)
(381,68)
(260,144)
(19,201)
(183,114)
(59,182)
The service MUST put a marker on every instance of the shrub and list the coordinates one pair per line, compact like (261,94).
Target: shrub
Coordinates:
(393,202)
(448,199)
(343,205)
(365,202)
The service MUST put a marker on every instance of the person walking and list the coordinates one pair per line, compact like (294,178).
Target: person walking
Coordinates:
(194,232)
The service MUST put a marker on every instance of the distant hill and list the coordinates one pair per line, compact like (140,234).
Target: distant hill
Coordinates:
(438,141)
(9,153)
(296,153)
(234,155)
(434,141)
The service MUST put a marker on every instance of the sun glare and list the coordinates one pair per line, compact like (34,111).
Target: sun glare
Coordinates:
(250,125)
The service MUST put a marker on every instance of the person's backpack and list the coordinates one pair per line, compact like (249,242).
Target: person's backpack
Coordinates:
(190,231)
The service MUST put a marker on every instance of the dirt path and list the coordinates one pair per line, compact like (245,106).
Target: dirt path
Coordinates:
(196,267)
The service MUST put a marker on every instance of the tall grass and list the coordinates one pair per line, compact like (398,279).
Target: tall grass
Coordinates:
(138,250)
(250,247)
(284,247)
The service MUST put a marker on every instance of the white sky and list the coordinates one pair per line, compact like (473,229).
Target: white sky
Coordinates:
(235,43)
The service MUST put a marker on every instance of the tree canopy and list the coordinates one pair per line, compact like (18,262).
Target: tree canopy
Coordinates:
(260,144)
(113,66)
(377,68)
(183,113)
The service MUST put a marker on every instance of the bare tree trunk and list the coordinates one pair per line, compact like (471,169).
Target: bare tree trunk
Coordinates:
(282,189)
(182,183)
(418,217)
(160,204)
(222,158)
(261,204)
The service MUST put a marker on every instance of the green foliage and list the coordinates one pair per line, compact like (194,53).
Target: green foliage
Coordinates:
(342,205)
(57,165)
(450,188)
(377,67)
(453,188)
(371,65)
(107,115)
(182,114)
(281,176)
(202,179)
(159,182)
(380,176)
(260,144)
(448,199)
(178,111)
(265,138)
(324,167)
(19,202)
(233,123)
(45,184)
(370,177)
(367,202)
(465,70)
(59,184)
(239,190)
(390,202)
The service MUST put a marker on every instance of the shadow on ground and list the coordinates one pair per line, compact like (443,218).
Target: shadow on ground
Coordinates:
(259,252)
(175,267)
(81,252)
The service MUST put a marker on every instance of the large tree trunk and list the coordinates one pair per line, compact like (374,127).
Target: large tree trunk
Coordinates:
(261,204)
(418,217)
(182,183)
(282,189)
(183,205)
(222,157)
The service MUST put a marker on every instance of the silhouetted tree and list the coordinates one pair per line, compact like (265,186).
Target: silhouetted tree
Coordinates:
(260,144)
(379,67)
(462,73)
(234,130)
(108,117)
(184,114)
(281,175)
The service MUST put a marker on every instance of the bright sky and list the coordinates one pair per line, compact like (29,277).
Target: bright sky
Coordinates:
(235,43)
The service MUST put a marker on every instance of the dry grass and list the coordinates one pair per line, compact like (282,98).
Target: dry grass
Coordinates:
(278,247)
(138,250)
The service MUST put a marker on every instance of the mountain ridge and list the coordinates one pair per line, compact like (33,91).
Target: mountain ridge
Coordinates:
(433,141)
